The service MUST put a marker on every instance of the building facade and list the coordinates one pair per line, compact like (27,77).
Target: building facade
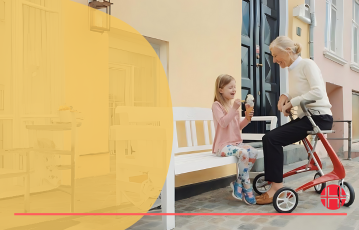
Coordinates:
(336,52)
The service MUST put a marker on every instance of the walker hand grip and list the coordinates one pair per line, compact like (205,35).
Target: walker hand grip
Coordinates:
(303,105)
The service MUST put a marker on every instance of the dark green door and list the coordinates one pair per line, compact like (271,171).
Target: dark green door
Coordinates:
(260,76)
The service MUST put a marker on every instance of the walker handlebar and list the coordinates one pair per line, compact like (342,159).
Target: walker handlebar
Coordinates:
(303,104)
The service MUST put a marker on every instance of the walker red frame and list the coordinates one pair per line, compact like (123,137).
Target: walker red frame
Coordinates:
(338,172)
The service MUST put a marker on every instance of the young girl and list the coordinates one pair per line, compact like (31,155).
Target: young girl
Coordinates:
(228,141)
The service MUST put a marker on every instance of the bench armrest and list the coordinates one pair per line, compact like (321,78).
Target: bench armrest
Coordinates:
(272,119)
(258,136)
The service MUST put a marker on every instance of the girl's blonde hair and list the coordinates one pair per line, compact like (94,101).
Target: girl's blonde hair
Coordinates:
(285,43)
(221,81)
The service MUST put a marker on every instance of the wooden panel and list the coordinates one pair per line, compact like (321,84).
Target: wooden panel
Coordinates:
(188,133)
(194,133)
(206,132)
(192,114)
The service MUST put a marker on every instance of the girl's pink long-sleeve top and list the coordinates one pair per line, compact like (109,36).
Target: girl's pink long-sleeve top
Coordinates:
(227,125)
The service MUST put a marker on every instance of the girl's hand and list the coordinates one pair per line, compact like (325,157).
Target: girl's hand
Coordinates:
(286,109)
(251,114)
(237,103)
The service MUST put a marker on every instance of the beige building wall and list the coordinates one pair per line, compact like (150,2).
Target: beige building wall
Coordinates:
(204,39)
(293,23)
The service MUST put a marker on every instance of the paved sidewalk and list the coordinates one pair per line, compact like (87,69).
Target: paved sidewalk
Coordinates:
(222,201)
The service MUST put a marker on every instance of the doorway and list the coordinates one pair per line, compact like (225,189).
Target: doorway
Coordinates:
(260,76)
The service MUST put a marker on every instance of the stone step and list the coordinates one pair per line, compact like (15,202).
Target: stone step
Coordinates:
(292,154)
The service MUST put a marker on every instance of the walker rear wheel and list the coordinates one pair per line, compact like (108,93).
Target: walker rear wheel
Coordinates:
(319,187)
(260,186)
(285,200)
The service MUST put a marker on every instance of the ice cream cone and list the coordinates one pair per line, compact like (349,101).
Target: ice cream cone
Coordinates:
(248,111)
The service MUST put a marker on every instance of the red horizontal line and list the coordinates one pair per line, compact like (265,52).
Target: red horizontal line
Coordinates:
(180,214)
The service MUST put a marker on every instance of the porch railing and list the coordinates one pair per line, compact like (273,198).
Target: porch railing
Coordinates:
(349,138)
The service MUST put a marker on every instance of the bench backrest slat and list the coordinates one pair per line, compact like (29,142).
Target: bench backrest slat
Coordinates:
(194,133)
(190,116)
(206,132)
(188,133)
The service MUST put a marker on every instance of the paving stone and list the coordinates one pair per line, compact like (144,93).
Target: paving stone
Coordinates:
(189,208)
(342,227)
(231,223)
(180,205)
(287,217)
(266,208)
(350,222)
(195,225)
(270,228)
(181,222)
(238,209)
(214,227)
(217,220)
(188,217)
(305,206)
(353,216)
(261,220)
(204,210)
(210,206)
(247,218)
(141,222)
(150,225)
(202,218)
(248,226)
(234,217)
(198,203)
(279,222)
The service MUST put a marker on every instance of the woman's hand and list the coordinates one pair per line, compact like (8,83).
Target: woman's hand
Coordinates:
(282,101)
(286,109)
(237,103)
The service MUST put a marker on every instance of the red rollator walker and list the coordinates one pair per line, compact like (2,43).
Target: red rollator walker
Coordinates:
(285,200)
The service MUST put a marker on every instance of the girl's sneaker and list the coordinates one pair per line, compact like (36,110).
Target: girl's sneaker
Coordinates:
(248,196)
(237,190)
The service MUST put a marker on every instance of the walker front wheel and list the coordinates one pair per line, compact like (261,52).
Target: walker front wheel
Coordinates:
(261,186)
(349,193)
(285,200)
(319,187)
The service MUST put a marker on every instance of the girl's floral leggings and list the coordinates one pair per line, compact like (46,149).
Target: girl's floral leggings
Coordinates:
(246,154)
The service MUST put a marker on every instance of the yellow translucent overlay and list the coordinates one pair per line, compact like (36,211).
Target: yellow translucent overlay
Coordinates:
(85,117)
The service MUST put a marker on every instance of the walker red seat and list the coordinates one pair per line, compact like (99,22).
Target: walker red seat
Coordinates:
(285,200)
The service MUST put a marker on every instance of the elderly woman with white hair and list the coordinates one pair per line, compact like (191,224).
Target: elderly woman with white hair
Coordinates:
(305,83)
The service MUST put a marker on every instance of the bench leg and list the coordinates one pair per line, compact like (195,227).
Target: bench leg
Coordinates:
(168,198)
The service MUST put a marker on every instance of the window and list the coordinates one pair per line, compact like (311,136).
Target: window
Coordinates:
(334,31)
(356,31)
(355,117)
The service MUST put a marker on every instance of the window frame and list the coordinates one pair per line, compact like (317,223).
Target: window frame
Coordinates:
(338,8)
(355,24)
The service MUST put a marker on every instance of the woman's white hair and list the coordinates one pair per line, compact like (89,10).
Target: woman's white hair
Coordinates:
(286,44)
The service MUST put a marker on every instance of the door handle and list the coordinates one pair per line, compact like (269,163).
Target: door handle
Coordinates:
(258,65)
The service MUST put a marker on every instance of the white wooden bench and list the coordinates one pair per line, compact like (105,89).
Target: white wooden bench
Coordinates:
(186,163)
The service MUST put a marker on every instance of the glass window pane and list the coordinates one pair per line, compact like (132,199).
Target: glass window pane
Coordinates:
(355,39)
(333,29)
(334,2)
(245,18)
(326,26)
(355,106)
(356,12)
